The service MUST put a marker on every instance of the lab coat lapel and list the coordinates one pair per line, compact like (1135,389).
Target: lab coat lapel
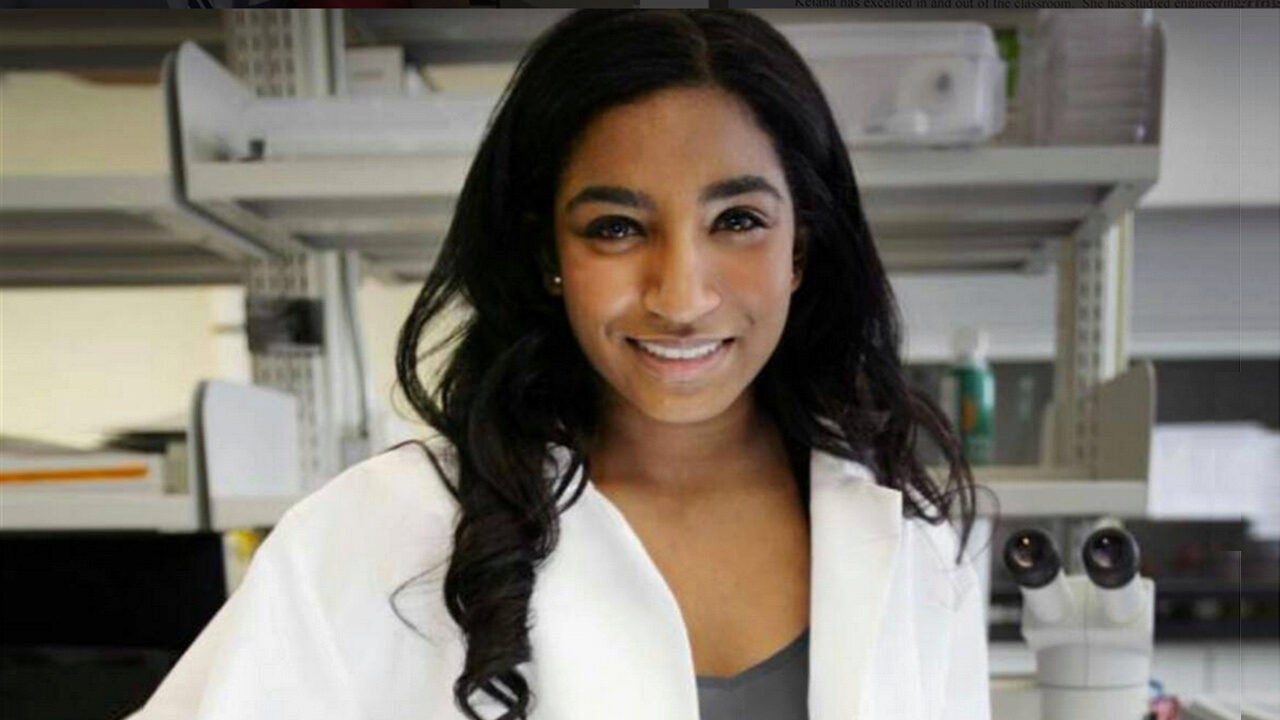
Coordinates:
(609,640)
(607,635)
(854,534)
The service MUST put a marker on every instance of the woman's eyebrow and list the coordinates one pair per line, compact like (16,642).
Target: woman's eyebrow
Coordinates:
(739,185)
(610,194)
(616,195)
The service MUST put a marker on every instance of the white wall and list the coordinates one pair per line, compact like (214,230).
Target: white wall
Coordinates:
(1221,130)
(56,124)
(1207,282)
(383,309)
(76,363)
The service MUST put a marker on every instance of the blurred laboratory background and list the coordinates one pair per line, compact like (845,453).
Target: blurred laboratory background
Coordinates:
(213,224)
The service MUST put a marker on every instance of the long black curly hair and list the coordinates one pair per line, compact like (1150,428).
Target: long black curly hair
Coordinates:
(514,379)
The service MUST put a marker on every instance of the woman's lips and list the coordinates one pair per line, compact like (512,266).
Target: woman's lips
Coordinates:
(681,369)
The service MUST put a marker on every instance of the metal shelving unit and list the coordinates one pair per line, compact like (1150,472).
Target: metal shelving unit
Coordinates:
(991,208)
(994,208)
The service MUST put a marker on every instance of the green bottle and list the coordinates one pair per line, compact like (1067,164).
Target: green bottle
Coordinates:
(969,395)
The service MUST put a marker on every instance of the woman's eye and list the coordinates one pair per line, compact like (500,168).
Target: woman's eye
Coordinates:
(613,228)
(741,221)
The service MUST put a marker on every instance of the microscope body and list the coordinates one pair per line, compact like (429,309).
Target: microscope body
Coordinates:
(1093,654)
(1092,633)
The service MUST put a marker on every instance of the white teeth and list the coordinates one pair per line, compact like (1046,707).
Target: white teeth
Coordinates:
(689,353)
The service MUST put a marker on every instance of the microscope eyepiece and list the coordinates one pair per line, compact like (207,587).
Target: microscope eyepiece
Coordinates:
(1110,557)
(1031,558)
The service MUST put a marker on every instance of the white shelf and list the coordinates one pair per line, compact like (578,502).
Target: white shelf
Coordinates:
(1053,498)
(1056,174)
(1036,491)
(110,229)
(52,510)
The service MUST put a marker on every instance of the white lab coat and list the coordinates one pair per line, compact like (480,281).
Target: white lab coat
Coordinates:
(335,618)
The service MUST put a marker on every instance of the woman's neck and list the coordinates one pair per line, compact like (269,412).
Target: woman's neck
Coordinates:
(740,445)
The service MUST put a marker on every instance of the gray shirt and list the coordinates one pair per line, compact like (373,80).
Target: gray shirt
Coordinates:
(776,688)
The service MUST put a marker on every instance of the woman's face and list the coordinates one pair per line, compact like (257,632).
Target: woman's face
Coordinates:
(674,233)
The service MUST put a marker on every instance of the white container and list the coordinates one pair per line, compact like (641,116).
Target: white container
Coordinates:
(375,70)
(366,126)
(1094,77)
(907,83)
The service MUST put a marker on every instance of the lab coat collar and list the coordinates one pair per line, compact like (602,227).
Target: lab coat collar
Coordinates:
(609,640)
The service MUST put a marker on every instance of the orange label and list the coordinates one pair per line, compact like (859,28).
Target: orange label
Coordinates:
(126,472)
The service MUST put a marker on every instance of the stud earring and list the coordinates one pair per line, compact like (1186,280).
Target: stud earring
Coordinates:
(557,285)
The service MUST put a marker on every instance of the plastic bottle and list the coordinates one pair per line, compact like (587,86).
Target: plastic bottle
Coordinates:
(969,395)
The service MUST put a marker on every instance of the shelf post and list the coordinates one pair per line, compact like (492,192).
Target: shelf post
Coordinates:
(1093,311)
(298,53)
(284,53)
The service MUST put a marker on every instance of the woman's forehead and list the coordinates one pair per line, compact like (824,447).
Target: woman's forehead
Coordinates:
(673,139)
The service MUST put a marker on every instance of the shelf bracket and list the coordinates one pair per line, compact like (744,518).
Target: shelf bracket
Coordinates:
(1093,320)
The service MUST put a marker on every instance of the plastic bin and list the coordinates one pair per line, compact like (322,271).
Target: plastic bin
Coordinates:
(912,83)
(1094,77)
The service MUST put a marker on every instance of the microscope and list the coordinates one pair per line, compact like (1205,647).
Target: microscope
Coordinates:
(1092,633)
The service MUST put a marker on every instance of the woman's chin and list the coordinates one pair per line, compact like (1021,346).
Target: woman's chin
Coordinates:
(674,409)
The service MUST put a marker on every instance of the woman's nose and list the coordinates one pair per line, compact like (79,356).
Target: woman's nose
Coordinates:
(680,285)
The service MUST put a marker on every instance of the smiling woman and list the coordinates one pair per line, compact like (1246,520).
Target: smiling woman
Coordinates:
(676,473)
(677,256)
